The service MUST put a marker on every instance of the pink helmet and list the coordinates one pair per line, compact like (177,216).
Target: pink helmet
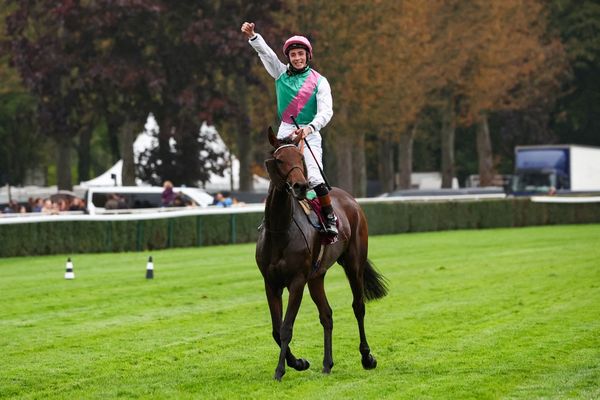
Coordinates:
(297,42)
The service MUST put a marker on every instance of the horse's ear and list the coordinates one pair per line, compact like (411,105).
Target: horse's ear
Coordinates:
(272,138)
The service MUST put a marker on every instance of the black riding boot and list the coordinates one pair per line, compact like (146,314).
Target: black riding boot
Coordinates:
(327,210)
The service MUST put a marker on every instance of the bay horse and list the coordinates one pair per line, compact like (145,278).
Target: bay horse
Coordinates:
(289,247)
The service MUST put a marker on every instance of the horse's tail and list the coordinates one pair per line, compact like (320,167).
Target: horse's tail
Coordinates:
(375,284)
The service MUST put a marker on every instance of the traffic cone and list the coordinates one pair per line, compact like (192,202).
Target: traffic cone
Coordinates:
(69,274)
(150,269)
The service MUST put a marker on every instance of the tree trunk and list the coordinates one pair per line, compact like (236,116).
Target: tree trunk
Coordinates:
(83,154)
(63,163)
(245,154)
(244,139)
(448,132)
(360,167)
(386,163)
(343,156)
(112,125)
(484,152)
(127,137)
(405,157)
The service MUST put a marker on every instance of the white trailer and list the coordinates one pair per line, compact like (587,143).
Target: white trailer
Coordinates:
(556,168)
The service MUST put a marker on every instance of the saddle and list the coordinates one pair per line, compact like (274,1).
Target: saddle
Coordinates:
(312,209)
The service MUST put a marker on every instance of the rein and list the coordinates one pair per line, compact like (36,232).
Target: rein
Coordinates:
(290,192)
(285,177)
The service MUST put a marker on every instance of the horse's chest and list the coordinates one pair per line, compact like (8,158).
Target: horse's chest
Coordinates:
(286,266)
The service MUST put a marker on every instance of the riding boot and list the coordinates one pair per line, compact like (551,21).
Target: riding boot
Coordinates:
(327,209)
(330,220)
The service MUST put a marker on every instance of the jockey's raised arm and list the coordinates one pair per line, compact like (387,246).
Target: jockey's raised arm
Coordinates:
(304,94)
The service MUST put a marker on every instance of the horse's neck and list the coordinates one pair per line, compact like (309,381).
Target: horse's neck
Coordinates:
(278,210)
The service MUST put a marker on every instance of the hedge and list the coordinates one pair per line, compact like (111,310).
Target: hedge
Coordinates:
(55,237)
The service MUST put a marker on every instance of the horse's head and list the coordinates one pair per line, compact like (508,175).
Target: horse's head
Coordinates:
(287,169)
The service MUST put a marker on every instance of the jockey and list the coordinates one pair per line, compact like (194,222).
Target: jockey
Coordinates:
(306,95)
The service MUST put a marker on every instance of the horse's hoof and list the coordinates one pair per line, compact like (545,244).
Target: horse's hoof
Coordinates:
(301,365)
(278,375)
(369,362)
(327,368)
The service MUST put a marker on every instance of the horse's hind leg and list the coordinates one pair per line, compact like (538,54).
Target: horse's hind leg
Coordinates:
(317,292)
(354,268)
(282,332)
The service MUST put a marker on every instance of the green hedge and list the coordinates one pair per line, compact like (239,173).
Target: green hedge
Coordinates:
(202,230)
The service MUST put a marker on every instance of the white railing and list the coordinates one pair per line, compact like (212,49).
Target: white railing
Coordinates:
(565,199)
(127,215)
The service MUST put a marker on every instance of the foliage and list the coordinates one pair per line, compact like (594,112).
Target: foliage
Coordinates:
(576,118)
(20,148)
(503,313)
(109,63)
(117,61)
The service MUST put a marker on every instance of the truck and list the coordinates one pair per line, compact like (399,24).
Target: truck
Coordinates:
(556,169)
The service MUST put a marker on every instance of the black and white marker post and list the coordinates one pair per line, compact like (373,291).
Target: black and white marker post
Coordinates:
(150,269)
(69,274)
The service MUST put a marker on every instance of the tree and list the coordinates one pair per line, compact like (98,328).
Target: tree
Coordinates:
(576,117)
(20,150)
(495,56)
(35,32)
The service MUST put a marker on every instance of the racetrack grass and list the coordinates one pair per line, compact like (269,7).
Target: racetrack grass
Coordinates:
(504,313)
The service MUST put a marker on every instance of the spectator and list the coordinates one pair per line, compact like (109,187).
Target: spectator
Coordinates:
(220,200)
(30,204)
(11,208)
(38,205)
(76,205)
(49,207)
(62,205)
(168,195)
(112,203)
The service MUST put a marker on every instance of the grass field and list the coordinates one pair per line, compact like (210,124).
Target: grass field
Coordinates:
(505,313)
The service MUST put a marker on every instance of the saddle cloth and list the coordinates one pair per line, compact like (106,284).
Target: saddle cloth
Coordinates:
(312,209)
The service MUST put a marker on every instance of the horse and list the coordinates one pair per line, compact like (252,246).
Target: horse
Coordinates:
(289,254)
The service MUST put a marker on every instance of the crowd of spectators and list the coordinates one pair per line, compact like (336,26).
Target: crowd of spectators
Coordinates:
(45,206)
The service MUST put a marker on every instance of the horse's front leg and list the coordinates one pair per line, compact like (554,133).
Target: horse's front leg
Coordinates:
(317,292)
(276,310)
(296,290)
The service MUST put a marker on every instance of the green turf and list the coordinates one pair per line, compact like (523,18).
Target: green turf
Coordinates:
(505,313)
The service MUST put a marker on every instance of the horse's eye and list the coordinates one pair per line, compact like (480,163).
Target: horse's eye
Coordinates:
(278,161)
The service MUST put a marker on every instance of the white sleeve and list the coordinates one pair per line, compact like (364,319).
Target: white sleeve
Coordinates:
(268,57)
(324,106)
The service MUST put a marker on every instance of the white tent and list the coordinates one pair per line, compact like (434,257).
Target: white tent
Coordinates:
(147,140)
(112,177)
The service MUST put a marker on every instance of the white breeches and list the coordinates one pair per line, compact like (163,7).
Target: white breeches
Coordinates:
(315,141)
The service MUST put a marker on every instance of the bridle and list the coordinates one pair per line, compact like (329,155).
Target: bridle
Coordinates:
(284,178)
